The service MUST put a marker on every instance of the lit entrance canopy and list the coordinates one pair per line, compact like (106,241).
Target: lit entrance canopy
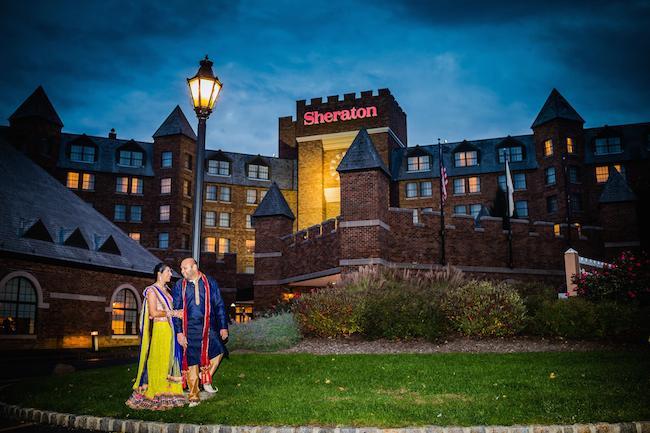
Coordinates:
(205,88)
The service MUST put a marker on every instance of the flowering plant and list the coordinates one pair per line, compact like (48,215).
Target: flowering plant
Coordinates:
(627,278)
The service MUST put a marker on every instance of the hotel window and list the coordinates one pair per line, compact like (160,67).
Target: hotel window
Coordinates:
(256,171)
(122,185)
(88,182)
(411,189)
(425,189)
(124,317)
(251,196)
(551,204)
(18,303)
(416,216)
(164,213)
(459,186)
(249,270)
(514,153)
(166,185)
(603,172)
(574,174)
(131,158)
(262,195)
(521,207)
(187,214)
(427,209)
(211,192)
(187,163)
(570,148)
(79,153)
(72,180)
(185,242)
(187,188)
(163,240)
(576,202)
(224,219)
(460,209)
(474,209)
(605,146)
(518,181)
(548,148)
(136,214)
(210,245)
(166,159)
(136,185)
(210,219)
(249,221)
(224,194)
(135,236)
(474,184)
(120,212)
(550,176)
(466,159)
(418,163)
(250,246)
(557,231)
(219,168)
(224,246)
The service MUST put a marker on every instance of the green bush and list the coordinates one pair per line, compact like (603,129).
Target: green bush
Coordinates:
(484,309)
(534,294)
(329,312)
(265,334)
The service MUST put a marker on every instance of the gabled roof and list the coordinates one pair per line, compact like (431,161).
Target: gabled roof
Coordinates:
(37,105)
(616,189)
(362,155)
(556,107)
(176,123)
(273,204)
(41,218)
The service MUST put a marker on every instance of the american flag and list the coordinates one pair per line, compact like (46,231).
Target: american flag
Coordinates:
(443,182)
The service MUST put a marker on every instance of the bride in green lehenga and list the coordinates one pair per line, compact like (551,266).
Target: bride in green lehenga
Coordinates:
(158,384)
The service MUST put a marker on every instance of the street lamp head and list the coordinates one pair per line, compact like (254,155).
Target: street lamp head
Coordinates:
(204,88)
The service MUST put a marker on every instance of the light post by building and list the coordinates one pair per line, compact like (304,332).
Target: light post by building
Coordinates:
(204,88)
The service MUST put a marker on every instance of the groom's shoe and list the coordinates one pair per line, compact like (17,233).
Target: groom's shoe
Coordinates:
(194,403)
(209,389)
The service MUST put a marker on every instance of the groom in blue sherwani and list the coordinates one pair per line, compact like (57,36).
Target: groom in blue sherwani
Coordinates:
(202,330)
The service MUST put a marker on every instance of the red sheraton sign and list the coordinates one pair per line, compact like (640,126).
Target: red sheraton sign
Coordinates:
(315,118)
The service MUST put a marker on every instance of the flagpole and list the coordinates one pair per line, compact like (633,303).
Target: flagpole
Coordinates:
(507,170)
(442,207)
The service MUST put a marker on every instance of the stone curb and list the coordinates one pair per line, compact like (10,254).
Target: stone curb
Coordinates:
(103,424)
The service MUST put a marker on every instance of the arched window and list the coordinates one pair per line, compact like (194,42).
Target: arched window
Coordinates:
(18,302)
(124,313)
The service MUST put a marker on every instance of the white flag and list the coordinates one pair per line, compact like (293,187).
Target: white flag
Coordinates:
(510,189)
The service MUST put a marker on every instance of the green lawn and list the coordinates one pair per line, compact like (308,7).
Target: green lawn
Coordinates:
(381,390)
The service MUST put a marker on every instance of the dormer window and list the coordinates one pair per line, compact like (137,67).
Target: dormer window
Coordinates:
(218,167)
(608,145)
(466,159)
(514,154)
(257,169)
(82,149)
(131,158)
(418,163)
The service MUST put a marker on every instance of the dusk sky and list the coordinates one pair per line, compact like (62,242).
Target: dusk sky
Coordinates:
(460,70)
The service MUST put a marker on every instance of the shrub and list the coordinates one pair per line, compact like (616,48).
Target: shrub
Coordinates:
(329,312)
(484,309)
(534,294)
(265,334)
(626,279)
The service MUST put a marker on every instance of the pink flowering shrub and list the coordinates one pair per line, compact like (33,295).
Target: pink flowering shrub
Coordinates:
(626,279)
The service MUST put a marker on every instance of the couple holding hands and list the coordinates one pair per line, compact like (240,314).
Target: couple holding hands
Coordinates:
(183,334)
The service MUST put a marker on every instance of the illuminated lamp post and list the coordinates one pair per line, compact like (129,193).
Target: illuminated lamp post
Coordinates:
(204,88)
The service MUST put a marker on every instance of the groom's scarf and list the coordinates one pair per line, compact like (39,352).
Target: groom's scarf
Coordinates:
(204,365)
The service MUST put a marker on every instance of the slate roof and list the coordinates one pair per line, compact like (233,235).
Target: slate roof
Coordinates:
(362,155)
(35,206)
(273,204)
(282,171)
(175,123)
(488,160)
(616,189)
(634,143)
(37,105)
(556,107)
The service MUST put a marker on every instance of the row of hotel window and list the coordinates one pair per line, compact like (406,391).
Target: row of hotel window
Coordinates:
(164,211)
(603,146)
(473,184)
(210,244)
(134,158)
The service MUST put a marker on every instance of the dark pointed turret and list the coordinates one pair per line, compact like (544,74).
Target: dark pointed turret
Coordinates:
(176,123)
(37,105)
(273,204)
(616,190)
(362,155)
(556,107)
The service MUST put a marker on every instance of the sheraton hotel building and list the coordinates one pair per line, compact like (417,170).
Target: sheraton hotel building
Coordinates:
(570,182)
